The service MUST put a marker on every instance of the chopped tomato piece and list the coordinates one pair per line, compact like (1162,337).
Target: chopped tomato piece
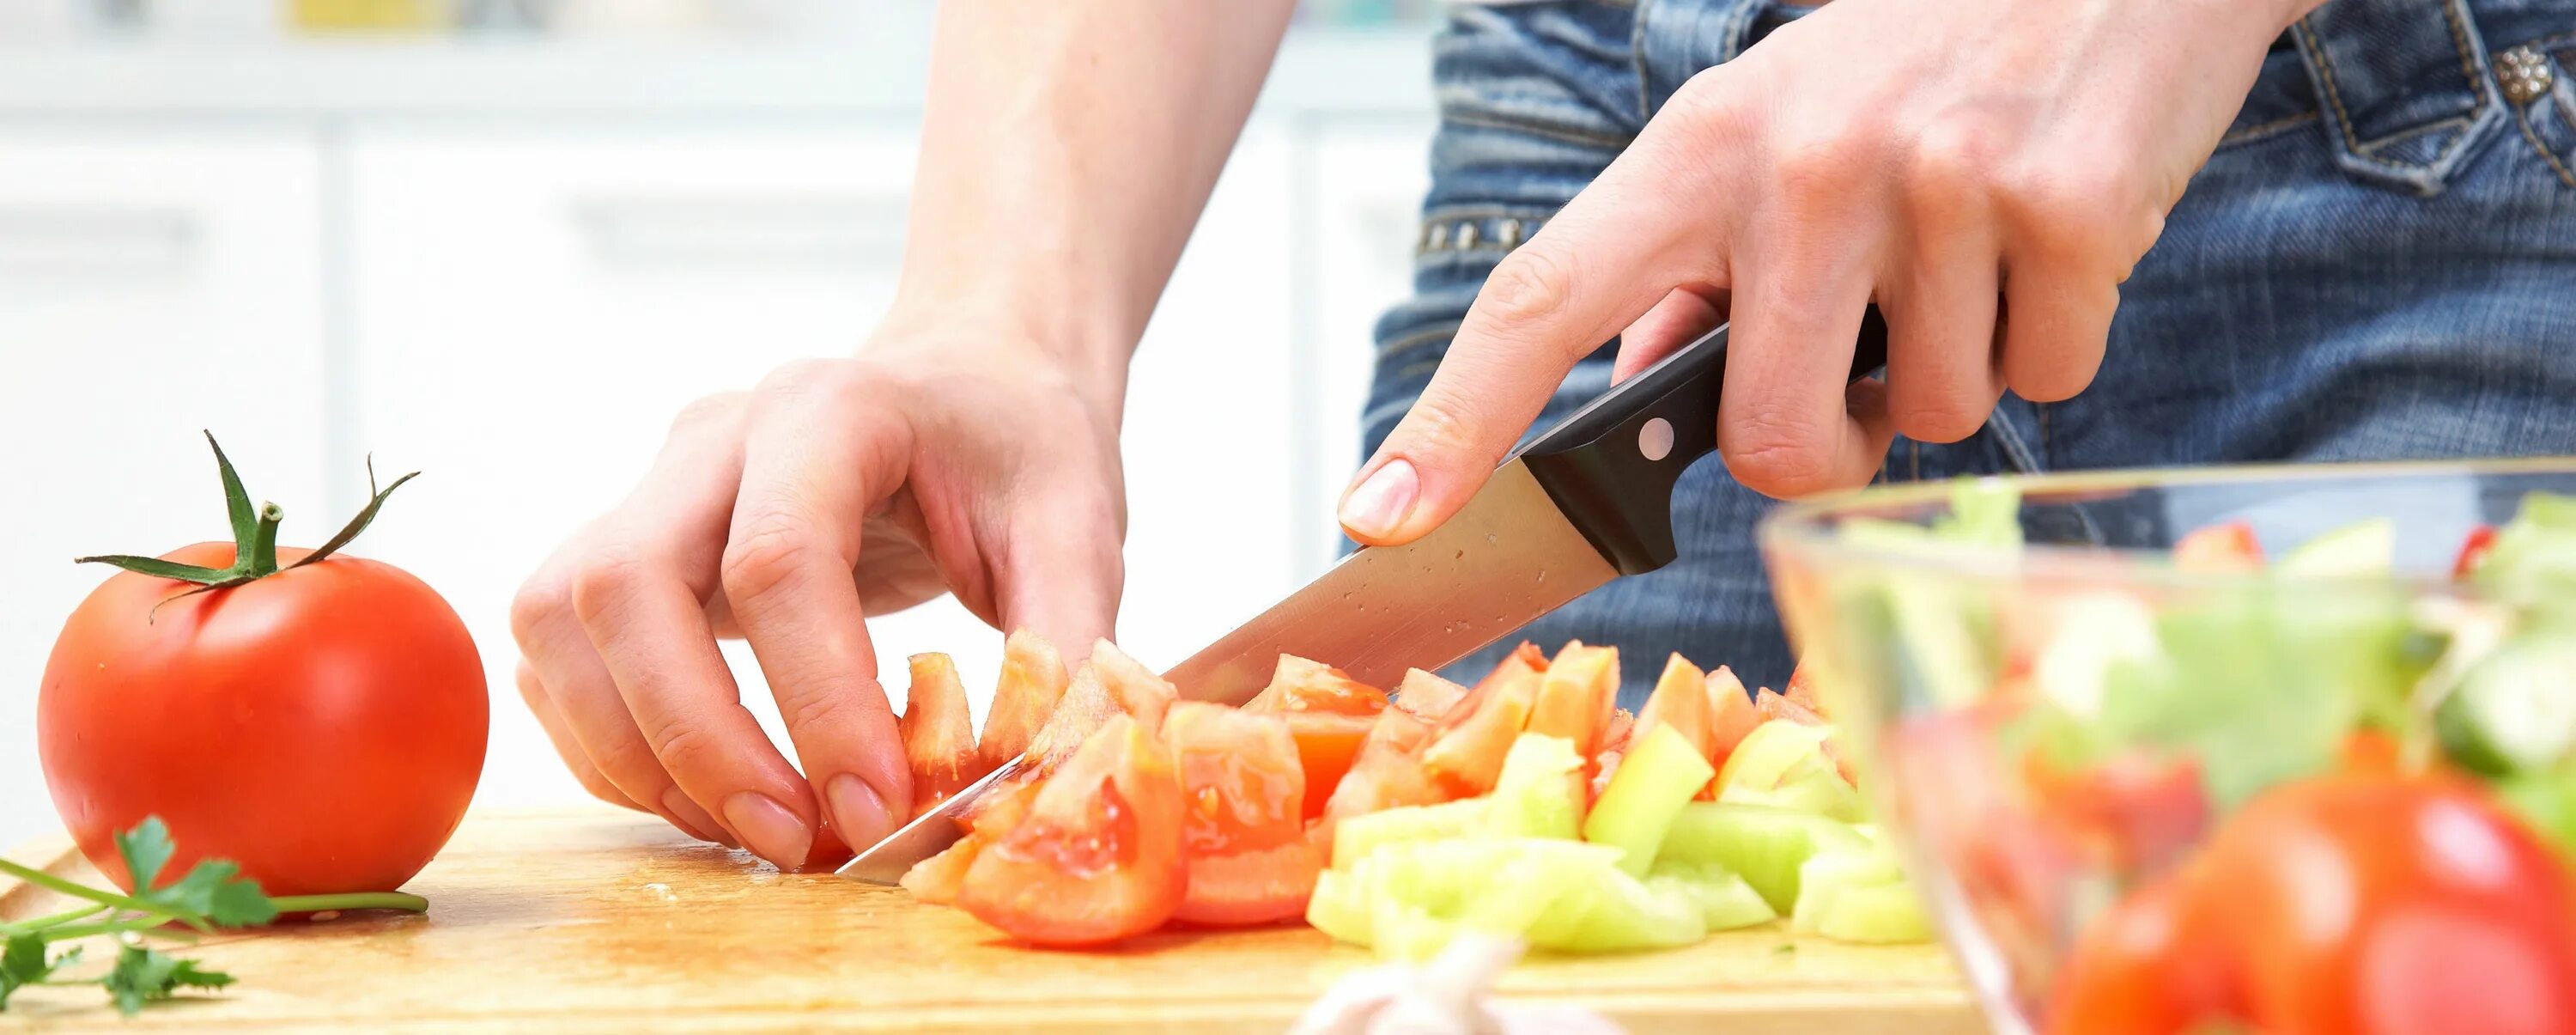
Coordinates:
(1327,743)
(1614,746)
(1243,794)
(1426,695)
(1730,715)
(1138,691)
(1388,774)
(2473,550)
(1084,708)
(2218,549)
(1299,685)
(938,733)
(1768,705)
(2151,965)
(1576,695)
(1680,700)
(2137,811)
(1033,680)
(1098,856)
(1803,694)
(1467,755)
(935,880)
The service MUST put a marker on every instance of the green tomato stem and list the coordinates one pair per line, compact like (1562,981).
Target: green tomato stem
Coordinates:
(260,560)
(354,900)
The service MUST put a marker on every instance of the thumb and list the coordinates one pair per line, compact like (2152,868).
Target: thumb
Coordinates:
(1477,405)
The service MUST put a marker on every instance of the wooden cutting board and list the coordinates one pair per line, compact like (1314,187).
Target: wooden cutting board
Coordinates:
(595,919)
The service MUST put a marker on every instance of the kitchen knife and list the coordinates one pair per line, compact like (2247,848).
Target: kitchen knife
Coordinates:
(1585,502)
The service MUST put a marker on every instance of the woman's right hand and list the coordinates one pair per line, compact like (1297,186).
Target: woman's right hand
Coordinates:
(948,461)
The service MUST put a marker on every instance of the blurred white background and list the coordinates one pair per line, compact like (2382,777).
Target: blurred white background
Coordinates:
(501,243)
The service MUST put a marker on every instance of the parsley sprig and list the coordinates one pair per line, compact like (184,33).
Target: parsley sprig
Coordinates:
(212,895)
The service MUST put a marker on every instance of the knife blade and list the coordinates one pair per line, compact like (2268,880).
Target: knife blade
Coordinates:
(1585,502)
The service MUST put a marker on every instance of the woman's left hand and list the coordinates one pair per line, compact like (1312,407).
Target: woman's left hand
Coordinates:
(1986,171)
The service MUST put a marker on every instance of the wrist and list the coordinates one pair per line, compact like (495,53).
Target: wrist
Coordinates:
(1022,329)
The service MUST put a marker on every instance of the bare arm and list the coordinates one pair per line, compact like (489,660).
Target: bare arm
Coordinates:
(1067,151)
(970,447)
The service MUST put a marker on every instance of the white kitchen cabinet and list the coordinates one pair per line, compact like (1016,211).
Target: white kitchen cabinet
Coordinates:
(153,283)
(531,308)
(1367,176)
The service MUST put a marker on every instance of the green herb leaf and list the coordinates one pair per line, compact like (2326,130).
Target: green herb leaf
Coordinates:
(22,963)
(146,850)
(214,890)
(140,975)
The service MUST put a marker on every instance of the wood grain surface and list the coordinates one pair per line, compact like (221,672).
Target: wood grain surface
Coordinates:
(599,920)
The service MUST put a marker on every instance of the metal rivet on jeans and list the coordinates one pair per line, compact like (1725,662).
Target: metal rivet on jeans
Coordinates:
(1466,235)
(1435,237)
(2524,74)
(1508,234)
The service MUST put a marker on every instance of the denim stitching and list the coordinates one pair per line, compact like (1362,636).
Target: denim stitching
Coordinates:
(1569,135)
(2460,43)
(2522,119)
(2343,118)
(2267,129)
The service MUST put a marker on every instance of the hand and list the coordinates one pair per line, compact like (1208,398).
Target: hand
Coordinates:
(1987,171)
(838,489)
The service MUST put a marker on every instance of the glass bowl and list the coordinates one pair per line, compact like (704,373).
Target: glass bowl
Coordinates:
(2055,705)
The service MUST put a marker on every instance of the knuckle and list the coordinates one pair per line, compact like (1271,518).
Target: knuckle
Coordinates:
(765,553)
(1951,163)
(1933,420)
(605,578)
(544,598)
(819,708)
(716,410)
(1532,283)
(682,746)
(1815,171)
(1777,452)
(2070,211)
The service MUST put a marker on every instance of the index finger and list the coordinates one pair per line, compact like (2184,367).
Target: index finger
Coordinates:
(814,464)
(1620,246)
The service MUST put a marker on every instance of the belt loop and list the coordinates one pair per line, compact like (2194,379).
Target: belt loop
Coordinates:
(2403,88)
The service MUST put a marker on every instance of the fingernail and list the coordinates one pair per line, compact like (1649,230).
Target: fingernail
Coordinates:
(694,821)
(858,812)
(769,829)
(1377,505)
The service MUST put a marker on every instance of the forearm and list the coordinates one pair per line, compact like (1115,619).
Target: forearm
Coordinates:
(1067,150)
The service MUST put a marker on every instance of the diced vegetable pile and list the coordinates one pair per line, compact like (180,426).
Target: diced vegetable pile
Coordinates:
(2294,796)
(1527,806)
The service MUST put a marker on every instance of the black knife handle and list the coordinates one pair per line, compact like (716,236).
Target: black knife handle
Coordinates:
(1596,463)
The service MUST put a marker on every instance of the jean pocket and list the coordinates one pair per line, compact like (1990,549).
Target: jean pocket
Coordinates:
(1559,70)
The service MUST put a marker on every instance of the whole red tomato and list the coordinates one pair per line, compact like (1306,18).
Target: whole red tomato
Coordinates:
(2378,902)
(322,725)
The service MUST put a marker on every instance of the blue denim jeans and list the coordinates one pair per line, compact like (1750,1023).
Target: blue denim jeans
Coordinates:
(2378,262)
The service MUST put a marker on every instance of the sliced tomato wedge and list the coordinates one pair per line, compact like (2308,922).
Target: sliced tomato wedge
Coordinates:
(1769,705)
(1615,738)
(1730,714)
(1388,774)
(1098,855)
(1243,793)
(1803,694)
(1033,680)
(1426,695)
(938,733)
(1138,691)
(2473,550)
(2138,812)
(1466,755)
(1299,685)
(1681,700)
(935,880)
(1576,695)
(1327,744)
(2220,548)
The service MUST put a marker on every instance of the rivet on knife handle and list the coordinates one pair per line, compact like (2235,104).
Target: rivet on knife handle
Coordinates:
(1611,466)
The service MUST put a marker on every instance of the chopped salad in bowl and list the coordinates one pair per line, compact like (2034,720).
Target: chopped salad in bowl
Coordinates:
(2273,749)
